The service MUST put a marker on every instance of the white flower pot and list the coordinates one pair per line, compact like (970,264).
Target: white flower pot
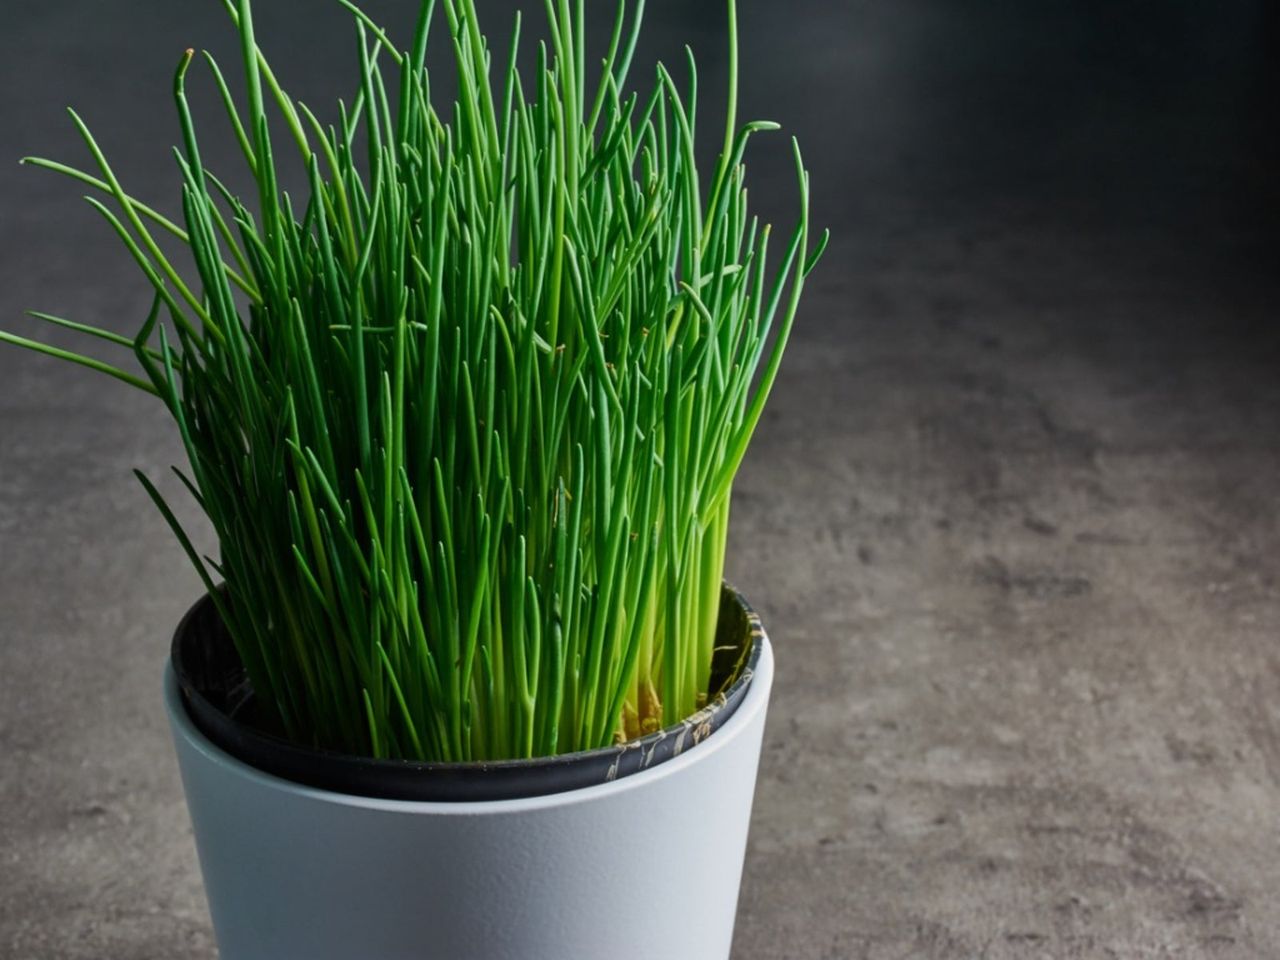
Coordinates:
(645,867)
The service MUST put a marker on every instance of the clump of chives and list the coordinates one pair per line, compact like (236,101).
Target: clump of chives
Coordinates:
(466,420)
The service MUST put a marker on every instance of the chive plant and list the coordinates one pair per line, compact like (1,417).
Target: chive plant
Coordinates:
(465,420)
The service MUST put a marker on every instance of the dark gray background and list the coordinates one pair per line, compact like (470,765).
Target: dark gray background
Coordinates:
(1011,517)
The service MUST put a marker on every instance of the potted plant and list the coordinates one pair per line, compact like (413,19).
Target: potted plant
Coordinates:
(465,419)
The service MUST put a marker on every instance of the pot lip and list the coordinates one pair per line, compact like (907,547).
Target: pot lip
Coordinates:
(466,783)
(754,704)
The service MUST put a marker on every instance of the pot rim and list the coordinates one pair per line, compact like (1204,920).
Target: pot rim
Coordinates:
(339,774)
(753,703)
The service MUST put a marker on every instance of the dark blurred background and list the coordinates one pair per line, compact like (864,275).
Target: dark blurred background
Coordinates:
(1011,517)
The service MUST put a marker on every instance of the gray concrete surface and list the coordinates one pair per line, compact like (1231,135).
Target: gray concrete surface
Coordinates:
(1011,517)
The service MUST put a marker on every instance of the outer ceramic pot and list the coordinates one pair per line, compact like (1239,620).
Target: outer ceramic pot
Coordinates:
(645,867)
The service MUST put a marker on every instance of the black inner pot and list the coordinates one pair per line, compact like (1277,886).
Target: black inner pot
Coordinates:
(220,701)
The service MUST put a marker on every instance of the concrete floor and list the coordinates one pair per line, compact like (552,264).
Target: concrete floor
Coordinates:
(1011,518)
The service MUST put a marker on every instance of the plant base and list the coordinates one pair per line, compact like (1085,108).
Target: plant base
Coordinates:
(646,867)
